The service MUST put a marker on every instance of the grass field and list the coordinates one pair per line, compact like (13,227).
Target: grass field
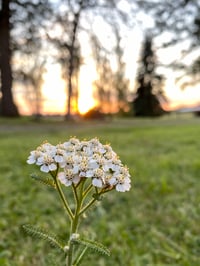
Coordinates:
(157,223)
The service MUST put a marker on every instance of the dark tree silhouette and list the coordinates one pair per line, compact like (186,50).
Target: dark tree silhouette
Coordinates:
(73,18)
(21,22)
(180,20)
(67,44)
(149,87)
(7,106)
(121,83)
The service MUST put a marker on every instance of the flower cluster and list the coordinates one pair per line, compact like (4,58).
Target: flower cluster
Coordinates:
(76,160)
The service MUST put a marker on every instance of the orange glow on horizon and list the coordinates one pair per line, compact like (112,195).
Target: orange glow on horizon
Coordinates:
(54,96)
(54,89)
(84,105)
(86,100)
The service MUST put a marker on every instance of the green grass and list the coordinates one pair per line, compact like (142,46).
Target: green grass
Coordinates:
(157,223)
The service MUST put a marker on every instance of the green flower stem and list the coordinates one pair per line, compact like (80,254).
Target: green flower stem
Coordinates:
(87,206)
(74,227)
(88,189)
(90,203)
(75,193)
(80,256)
(62,196)
(78,194)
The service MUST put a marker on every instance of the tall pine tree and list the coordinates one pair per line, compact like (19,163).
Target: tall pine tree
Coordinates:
(149,83)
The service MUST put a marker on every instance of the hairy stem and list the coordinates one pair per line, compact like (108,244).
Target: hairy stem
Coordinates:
(78,194)
(87,206)
(89,188)
(80,256)
(61,194)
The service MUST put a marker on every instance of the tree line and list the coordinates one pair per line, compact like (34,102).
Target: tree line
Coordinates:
(33,33)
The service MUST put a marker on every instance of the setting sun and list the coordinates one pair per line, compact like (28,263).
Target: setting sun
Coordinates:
(85,104)
(54,91)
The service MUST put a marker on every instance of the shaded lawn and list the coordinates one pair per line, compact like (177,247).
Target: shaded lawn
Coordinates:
(156,223)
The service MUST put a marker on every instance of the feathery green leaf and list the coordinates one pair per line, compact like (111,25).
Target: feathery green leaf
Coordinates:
(42,234)
(93,245)
(44,180)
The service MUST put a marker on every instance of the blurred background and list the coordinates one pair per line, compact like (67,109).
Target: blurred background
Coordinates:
(134,61)
(99,57)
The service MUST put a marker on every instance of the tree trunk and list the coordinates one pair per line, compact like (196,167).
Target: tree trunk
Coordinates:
(7,106)
(71,57)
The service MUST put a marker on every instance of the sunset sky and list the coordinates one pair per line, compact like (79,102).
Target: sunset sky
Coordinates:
(55,99)
(54,88)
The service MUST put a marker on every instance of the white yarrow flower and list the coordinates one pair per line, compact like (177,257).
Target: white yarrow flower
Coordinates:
(76,160)
(123,187)
(64,180)
(97,182)
(33,157)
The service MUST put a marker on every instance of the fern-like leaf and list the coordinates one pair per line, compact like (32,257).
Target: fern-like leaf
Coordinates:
(96,246)
(42,234)
(43,180)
